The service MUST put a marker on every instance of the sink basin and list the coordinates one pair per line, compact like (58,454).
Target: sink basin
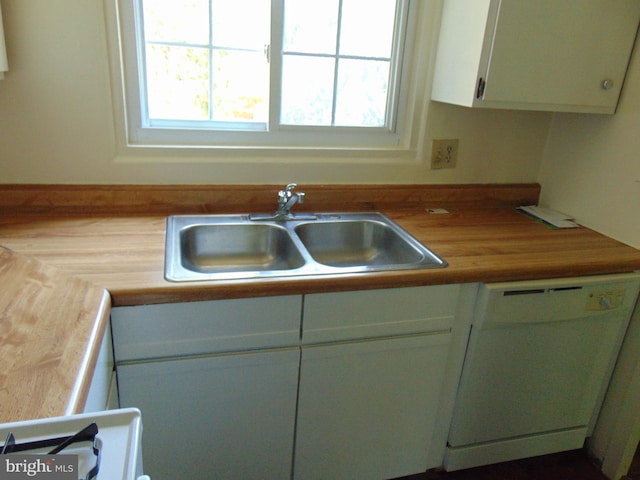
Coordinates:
(238,248)
(226,247)
(357,243)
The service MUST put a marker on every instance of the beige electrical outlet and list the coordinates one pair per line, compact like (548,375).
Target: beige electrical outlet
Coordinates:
(444,153)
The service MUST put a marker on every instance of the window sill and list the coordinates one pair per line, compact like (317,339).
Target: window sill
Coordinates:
(167,154)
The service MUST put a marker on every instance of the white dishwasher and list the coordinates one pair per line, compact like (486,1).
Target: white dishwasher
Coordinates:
(538,363)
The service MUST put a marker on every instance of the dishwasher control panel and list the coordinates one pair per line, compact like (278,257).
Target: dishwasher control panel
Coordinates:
(556,300)
(609,299)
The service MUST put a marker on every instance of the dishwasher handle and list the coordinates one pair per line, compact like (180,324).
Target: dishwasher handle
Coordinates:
(536,291)
(533,291)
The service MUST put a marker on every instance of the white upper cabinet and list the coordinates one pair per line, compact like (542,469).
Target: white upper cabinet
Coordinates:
(553,55)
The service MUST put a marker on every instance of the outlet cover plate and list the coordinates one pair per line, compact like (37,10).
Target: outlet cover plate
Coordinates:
(444,153)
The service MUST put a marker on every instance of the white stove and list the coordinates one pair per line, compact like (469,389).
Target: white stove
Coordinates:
(104,442)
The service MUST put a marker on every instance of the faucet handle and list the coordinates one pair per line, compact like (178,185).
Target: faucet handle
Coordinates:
(286,200)
(284,195)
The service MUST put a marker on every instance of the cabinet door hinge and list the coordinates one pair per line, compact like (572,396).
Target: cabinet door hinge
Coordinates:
(480,90)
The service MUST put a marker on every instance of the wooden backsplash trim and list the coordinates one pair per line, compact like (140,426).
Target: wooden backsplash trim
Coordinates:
(165,199)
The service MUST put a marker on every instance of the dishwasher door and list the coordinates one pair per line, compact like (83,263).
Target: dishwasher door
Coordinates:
(538,364)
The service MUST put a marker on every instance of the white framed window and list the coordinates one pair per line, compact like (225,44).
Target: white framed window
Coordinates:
(292,74)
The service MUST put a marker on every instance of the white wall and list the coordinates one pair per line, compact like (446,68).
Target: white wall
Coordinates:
(57,121)
(591,170)
(591,167)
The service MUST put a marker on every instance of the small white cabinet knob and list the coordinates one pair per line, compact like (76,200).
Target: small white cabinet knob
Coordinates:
(607,84)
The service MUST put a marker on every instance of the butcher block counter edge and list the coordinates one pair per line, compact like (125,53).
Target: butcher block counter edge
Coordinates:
(52,330)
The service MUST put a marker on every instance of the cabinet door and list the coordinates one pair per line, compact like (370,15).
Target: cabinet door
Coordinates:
(225,417)
(535,55)
(367,410)
(559,53)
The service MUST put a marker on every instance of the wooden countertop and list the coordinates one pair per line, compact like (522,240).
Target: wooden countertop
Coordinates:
(52,326)
(125,254)
(72,243)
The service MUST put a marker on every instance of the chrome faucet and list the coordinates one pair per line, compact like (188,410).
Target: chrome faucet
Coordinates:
(287,199)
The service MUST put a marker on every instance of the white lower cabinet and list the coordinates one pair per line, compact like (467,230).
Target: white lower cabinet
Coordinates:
(218,417)
(344,385)
(367,410)
(378,377)
(216,383)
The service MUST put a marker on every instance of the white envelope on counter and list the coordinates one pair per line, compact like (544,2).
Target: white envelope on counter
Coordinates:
(552,217)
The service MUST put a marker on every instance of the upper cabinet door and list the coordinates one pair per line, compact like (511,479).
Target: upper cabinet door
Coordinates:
(549,55)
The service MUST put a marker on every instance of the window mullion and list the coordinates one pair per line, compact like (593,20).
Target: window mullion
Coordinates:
(275,64)
(141,54)
(336,65)
(210,48)
(395,72)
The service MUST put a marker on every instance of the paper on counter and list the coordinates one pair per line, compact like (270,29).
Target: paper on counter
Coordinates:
(552,217)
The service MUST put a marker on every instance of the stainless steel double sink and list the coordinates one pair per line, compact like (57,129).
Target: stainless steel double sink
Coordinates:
(226,247)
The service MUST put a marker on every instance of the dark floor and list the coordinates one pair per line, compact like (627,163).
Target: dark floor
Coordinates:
(634,469)
(573,465)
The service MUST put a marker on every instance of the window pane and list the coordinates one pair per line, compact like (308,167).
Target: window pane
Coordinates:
(367,27)
(307,90)
(240,86)
(177,21)
(362,93)
(205,69)
(241,23)
(310,27)
(177,82)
